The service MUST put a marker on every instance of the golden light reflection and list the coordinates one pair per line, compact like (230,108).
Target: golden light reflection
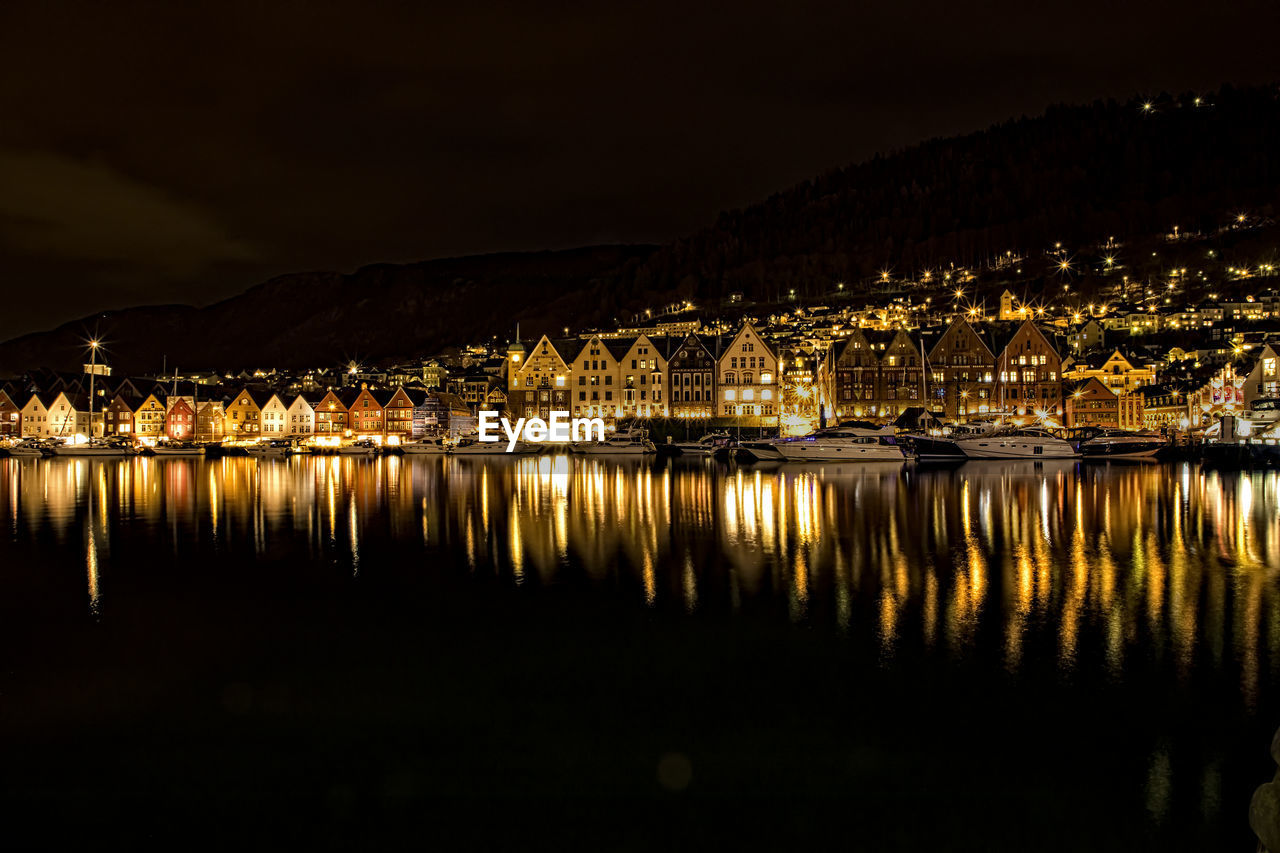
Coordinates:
(1094,565)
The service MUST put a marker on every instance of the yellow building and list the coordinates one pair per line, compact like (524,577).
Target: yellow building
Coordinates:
(243,417)
(148,418)
(1117,373)
(538,381)
(747,386)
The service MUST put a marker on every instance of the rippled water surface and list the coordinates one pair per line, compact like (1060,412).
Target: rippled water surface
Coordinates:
(994,656)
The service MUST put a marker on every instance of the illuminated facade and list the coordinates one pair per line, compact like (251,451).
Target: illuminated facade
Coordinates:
(243,417)
(330,414)
(961,373)
(179,422)
(596,389)
(301,417)
(365,413)
(538,381)
(10,416)
(692,385)
(149,418)
(1030,374)
(642,369)
(747,387)
(1117,373)
(1092,403)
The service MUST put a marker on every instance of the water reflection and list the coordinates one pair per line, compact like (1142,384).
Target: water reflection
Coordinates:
(1081,566)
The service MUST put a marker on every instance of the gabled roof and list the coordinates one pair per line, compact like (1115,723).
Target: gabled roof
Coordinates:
(132,401)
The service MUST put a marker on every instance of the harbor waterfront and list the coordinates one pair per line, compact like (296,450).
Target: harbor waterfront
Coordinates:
(1068,655)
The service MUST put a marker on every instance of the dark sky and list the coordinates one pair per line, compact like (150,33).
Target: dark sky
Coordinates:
(181,153)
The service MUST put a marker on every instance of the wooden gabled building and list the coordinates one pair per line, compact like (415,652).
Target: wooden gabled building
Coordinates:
(119,418)
(365,412)
(10,415)
(746,387)
(691,377)
(35,417)
(962,370)
(538,380)
(180,420)
(1091,403)
(1029,374)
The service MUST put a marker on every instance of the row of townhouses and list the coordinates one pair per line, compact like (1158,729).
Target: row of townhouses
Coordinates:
(963,370)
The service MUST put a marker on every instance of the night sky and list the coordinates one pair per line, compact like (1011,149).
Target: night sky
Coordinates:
(172,153)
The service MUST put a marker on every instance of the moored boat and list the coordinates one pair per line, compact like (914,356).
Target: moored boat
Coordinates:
(28,447)
(98,447)
(1118,444)
(429,446)
(1023,443)
(360,447)
(839,446)
(178,448)
(634,443)
(705,446)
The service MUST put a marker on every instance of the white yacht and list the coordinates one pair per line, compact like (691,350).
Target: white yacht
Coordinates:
(429,446)
(178,448)
(29,447)
(1119,444)
(271,447)
(1029,443)
(492,448)
(839,446)
(98,447)
(705,446)
(360,447)
(620,444)
(770,449)
(943,445)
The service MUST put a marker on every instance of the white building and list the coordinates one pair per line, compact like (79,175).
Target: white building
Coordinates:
(301,418)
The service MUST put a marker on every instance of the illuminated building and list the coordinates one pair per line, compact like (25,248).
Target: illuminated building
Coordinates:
(691,370)
(537,381)
(747,389)
(1091,403)
(1029,374)
(179,421)
(961,373)
(10,415)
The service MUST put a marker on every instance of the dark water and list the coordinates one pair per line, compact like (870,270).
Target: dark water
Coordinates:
(567,652)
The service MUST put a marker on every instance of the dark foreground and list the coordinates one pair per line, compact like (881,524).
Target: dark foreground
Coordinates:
(221,690)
